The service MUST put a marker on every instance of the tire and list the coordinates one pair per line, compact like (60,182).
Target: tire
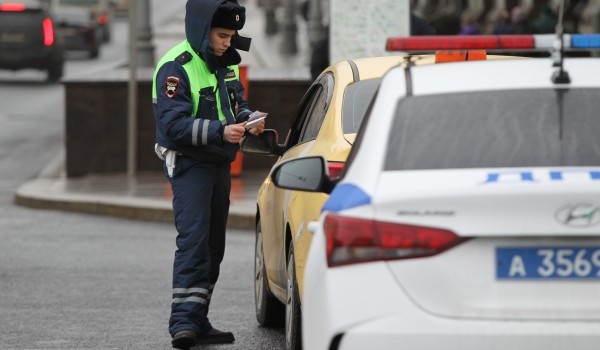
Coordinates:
(293,312)
(106,35)
(55,73)
(94,52)
(270,312)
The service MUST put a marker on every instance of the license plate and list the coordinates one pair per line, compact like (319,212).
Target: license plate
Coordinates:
(540,263)
(12,38)
(68,31)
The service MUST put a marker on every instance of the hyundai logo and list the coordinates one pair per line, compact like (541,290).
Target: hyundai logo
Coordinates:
(579,215)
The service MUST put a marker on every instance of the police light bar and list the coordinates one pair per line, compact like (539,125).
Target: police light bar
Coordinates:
(491,42)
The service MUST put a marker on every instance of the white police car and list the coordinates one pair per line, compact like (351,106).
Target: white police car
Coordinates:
(468,214)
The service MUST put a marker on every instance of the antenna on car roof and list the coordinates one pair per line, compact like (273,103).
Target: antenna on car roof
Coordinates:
(560,76)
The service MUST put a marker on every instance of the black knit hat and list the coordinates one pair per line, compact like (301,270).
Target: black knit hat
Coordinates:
(229,15)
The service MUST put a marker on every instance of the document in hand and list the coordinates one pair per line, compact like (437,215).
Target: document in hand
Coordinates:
(255,117)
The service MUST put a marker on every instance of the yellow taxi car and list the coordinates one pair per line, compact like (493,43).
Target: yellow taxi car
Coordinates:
(326,124)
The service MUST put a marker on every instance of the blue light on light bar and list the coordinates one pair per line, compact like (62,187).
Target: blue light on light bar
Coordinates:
(585,41)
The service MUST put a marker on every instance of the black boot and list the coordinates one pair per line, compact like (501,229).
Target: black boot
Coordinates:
(215,336)
(184,339)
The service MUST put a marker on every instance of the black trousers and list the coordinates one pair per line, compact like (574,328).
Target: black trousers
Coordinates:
(201,206)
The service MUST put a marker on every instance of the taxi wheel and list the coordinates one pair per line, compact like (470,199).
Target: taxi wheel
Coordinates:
(293,313)
(269,311)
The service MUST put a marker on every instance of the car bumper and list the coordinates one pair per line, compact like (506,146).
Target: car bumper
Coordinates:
(38,59)
(79,39)
(428,332)
(364,307)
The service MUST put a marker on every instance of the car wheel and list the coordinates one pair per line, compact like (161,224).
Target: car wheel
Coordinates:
(55,73)
(269,311)
(94,52)
(106,35)
(293,312)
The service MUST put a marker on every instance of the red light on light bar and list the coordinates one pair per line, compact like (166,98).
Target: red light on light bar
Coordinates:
(450,42)
(12,7)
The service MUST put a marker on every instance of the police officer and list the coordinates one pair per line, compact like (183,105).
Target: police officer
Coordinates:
(200,119)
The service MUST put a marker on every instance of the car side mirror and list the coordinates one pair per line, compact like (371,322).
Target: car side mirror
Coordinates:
(303,174)
(265,143)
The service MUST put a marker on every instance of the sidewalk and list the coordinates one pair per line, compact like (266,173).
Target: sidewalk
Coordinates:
(147,196)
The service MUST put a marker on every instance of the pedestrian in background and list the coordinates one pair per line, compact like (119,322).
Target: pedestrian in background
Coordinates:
(502,23)
(519,23)
(200,116)
(420,26)
(317,17)
(469,24)
(546,21)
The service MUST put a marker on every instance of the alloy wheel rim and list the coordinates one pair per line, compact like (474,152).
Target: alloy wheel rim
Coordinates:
(289,309)
(258,271)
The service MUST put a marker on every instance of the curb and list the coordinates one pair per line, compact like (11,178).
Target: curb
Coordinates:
(49,191)
(35,194)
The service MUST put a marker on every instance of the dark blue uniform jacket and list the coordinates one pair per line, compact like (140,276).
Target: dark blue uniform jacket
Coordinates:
(175,127)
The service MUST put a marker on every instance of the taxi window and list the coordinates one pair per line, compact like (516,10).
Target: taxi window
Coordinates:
(524,128)
(318,110)
(357,97)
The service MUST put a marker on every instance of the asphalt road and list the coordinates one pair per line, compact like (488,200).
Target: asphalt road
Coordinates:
(70,281)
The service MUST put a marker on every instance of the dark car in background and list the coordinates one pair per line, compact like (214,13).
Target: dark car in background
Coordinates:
(100,11)
(28,38)
(78,30)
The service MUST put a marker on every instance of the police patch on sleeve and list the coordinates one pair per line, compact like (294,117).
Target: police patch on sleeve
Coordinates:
(172,86)
(230,74)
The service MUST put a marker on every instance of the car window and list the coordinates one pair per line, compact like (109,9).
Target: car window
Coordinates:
(21,28)
(524,128)
(357,98)
(79,2)
(305,105)
(314,119)
(318,110)
(28,3)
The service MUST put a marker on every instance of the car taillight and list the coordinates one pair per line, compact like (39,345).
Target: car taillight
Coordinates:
(12,7)
(352,240)
(102,19)
(335,169)
(48,32)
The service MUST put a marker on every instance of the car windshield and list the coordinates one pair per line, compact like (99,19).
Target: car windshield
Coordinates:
(78,2)
(496,129)
(30,4)
(74,17)
(357,98)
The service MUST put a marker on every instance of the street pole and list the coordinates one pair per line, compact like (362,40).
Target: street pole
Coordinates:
(141,54)
(132,101)
(289,45)
(144,38)
(269,9)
